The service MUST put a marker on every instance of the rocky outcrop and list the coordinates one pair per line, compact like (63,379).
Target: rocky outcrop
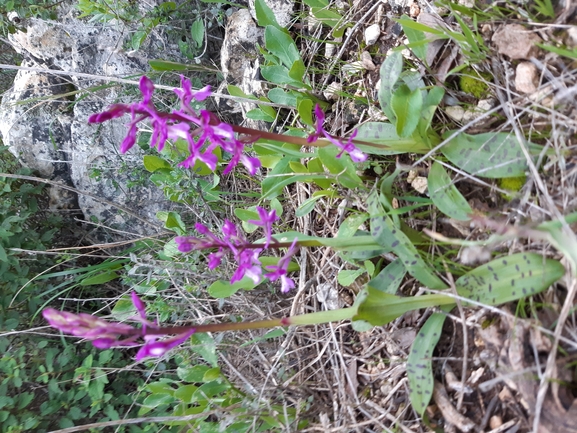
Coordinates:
(43,121)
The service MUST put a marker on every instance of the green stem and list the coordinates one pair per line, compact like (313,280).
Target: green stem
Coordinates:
(300,320)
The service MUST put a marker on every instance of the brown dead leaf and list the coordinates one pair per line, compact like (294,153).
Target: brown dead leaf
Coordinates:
(516,365)
(516,42)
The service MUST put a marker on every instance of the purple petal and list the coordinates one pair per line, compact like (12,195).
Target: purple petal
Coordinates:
(159,348)
(139,305)
(146,88)
(114,111)
(130,139)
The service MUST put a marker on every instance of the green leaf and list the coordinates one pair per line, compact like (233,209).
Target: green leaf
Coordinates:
(297,70)
(212,374)
(123,309)
(279,332)
(390,73)
(419,362)
(342,167)
(509,278)
(237,91)
(390,236)
(446,196)
(305,110)
(153,163)
(192,374)
(326,16)
(492,155)
(172,221)
(205,346)
(102,278)
(279,75)
(315,166)
(386,134)
(406,104)
(264,15)
(380,308)
(3,255)
(197,32)
(224,289)
(416,37)
(390,278)
(432,101)
(281,45)
(280,96)
(258,114)
(347,277)
(155,400)
(164,65)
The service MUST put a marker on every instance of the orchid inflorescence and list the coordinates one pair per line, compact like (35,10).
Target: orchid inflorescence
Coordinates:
(204,133)
(105,335)
(244,253)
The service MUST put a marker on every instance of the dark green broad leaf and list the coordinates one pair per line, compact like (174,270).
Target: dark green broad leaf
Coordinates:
(279,74)
(390,236)
(264,15)
(446,196)
(430,104)
(492,155)
(509,278)
(284,97)
(390,73)
(419,362)
(343,168)
(281,45)
(406,104)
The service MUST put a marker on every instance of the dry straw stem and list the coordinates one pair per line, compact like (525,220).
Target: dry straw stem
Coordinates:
(110,79)
(505,99)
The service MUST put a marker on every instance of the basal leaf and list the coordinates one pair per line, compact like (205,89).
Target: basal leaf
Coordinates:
(389,278)
(492,155)
(385,133)
(406,104)
(509,278)
(446,196)
(419,362)
(390,236)
(380,308)
(390,73)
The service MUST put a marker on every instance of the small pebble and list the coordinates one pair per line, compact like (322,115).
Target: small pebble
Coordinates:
(526,78)
(372,34)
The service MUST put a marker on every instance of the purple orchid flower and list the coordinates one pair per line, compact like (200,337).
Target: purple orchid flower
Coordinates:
(348,147)
(203,131)
(105,334)
(231,242)
(280,270)
(267,219)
